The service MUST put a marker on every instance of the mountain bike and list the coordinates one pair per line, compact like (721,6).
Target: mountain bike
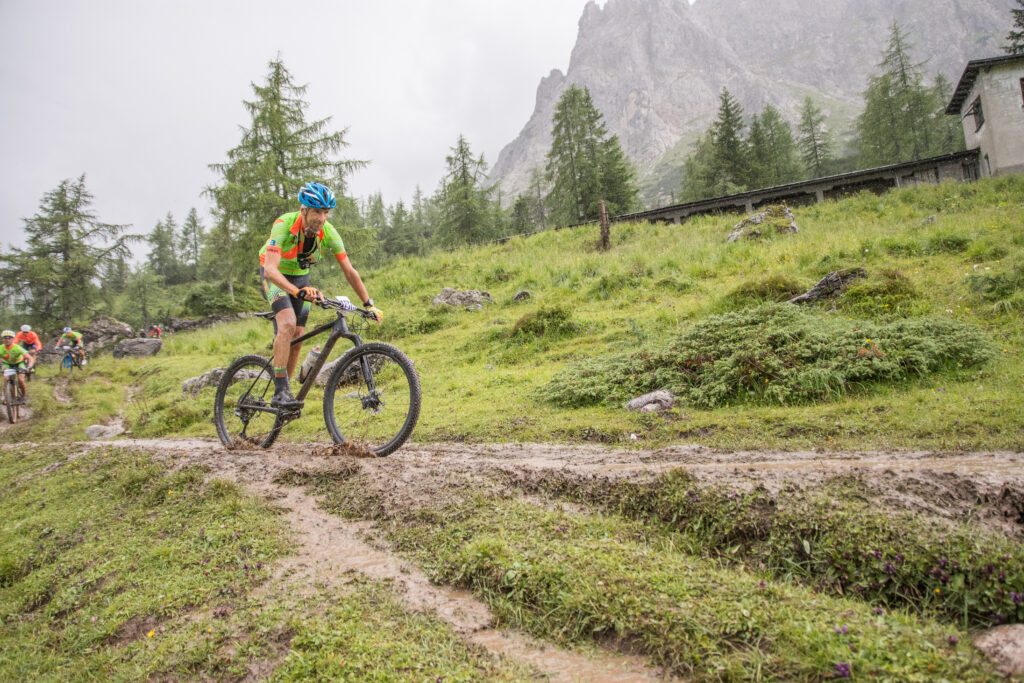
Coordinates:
(371,399)
(70,360)
(14,397)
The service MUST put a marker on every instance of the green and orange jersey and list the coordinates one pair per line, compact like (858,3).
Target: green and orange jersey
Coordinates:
(14,355)
(70,338)
(287,239)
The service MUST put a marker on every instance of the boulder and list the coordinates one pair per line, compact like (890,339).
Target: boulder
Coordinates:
(1004,646)
(521,295)
(137,348)
(187,324)
(656,400)
(212,378)
(100,334)
(454,297)
(351,374)
(776,218)
(103,431)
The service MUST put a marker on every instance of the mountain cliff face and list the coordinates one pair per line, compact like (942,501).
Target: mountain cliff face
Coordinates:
(655,68)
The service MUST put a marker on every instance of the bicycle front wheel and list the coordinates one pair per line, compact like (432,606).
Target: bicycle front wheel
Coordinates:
(372,398)
(10,399)
(241,408)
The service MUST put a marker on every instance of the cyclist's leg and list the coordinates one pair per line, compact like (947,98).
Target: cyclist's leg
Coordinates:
(22,371)
(301,309)
(284,331)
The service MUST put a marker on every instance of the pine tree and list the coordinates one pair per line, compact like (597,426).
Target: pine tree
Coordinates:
(730,160)
(1016,34)
(279,152)
(537,192)
(775,155)
(465,212)
(951,131)
(584,165)
(698,170)
(163,250)
(814,139)
(901,120)
(192,235)
(65,250)
(520,216)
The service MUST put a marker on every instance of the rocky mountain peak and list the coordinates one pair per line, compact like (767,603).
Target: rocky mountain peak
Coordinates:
(655,68)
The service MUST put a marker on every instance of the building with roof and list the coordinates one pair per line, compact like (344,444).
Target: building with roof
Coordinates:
(989,99)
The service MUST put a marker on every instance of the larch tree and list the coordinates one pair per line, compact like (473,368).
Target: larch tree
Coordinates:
(814,139)
(64,250)
(584,164)
(279,152)
(1015,38)
(190,241)
(463,199)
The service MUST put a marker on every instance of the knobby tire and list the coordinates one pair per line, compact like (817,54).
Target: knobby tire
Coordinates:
(383,428)
(251,389)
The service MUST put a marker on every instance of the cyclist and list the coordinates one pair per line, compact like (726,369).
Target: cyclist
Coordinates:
(296,242)
(74,340)
(155,332)
(13,356)
(29,340)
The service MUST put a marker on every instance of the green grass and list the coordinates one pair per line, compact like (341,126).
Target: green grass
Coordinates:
(580,576)
(114,568)
(925,250)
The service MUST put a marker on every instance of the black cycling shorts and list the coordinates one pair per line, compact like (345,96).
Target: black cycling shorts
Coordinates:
(281,300)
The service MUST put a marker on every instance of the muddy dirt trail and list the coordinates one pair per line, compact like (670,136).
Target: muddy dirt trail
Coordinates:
(988,485)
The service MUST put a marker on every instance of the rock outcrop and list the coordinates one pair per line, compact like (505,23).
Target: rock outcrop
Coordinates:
(137,348)
(470,298)
(655,68)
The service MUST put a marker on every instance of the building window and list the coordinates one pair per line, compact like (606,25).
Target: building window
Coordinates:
(979,115)
(1022,91)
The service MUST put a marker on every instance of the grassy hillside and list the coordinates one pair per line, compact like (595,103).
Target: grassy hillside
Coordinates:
(951,253)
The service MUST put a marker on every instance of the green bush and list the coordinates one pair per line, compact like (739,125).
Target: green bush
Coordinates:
(947,243)
(773,354)
(547,321)
(889,293)
(207,299)
(838,541)
(775,287)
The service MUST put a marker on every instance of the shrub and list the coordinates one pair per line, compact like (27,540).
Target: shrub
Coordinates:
(890,293)
(547,321)
(947,243)
(775,287)
(774,354)
(207,299)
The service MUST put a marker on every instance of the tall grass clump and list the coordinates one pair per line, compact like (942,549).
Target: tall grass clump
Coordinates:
(773,354)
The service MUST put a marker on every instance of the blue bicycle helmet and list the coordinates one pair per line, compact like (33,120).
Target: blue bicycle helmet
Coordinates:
(67,329)
(317,196)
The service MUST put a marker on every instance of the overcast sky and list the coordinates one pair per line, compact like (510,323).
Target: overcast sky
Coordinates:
(141,95)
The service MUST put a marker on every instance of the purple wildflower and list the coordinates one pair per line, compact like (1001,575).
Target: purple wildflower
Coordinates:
(1017,598)
(953,640)
(878,610)
(841,670)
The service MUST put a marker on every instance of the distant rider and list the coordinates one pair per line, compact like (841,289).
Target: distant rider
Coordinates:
(74,340)
(155,332)
(13,356)
(29,340)
(296,242)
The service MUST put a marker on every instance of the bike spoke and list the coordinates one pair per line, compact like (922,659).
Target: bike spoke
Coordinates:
(243,410)
(375,402)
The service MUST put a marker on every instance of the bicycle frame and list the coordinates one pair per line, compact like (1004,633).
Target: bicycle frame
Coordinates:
(339,330)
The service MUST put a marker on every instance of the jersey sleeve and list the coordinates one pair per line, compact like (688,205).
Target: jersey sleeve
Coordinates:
(278,234)
(332,240)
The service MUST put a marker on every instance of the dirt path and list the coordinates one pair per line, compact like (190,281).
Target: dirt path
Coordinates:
(988,485)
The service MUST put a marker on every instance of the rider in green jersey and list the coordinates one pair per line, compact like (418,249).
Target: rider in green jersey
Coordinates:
(14,357)
(297,241)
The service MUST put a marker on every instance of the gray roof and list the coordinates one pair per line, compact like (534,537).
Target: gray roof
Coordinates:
(969,76)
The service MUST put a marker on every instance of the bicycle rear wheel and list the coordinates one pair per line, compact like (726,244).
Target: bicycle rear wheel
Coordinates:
(240,406)
(372,398)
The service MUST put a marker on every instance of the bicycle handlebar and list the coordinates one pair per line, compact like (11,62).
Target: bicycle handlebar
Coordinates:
(343,304)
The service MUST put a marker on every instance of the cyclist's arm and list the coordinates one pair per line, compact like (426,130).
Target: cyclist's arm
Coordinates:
(353,278)
(274,275)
